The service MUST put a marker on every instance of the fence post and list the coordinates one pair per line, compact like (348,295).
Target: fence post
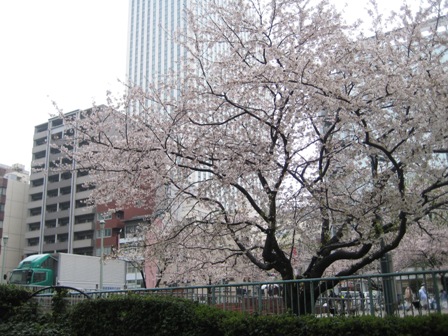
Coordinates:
(313,309)
(371,303)
(436,293)
(388,283)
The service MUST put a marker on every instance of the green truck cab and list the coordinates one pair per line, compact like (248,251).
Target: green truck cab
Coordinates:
(35,270)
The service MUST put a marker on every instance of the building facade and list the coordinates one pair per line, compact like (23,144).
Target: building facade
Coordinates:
(152,51)
(60,217)
(14,183)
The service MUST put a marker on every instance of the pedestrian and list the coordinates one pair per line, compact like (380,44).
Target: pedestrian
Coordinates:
(443,299)
(423,296)
(408,298)
(331,303)
(363,300)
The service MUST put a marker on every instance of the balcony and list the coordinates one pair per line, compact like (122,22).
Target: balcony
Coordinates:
(59,184)
(39,135)
(33,219)
(57,214)
(56,246)
(39,148)
(84,227)
(83,179)
(56,230)
(32,234)
(84,210)
(83,194)
(35,204)
(82,243)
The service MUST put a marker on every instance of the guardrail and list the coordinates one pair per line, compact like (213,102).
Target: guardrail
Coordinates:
(379,294)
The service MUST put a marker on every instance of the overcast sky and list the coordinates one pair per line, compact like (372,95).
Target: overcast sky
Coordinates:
(67,51)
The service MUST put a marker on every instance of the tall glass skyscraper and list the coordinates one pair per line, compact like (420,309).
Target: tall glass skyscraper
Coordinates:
(152,51)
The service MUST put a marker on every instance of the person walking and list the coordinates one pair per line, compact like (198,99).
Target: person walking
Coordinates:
(443,299)
(408,298)
(423,296)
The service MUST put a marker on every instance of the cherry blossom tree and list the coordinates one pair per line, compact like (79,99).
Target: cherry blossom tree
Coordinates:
(289,137)
(424,245)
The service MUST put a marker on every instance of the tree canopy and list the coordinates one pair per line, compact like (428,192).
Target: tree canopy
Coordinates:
(290,141)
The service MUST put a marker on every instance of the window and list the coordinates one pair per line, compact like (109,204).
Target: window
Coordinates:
(84,187)
(52,208)
(66,190)
(39,155)
(56,122)
(2,207)
(107,233)
(50,223)
(52,193)
(66,176)
(33,226)
(56,136)
(54,150)
(40,141)
(130,230)
(49,239)
(130,268)
(39,276)
(83,235)
(84,219)
(62,237)
(66,161)
(64,206)
(36,197)
(53,178)
(33,241)
(81,203)
(37,183)
(41,128)
(35,211)
(2,191)
(107,250)
(63,221)
(83,173)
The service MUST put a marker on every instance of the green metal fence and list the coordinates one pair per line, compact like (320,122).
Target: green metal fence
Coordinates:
(379,294)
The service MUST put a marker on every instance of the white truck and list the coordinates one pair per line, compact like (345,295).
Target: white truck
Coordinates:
(72,270)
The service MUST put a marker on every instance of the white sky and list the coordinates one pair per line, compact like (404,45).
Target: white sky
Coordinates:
(67,51)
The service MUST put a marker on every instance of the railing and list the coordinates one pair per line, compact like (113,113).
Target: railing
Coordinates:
(379,295)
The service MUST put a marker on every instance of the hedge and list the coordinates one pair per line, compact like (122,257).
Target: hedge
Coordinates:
(154,315)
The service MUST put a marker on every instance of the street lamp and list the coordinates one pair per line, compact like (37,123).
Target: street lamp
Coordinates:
(5,242)
(102,224)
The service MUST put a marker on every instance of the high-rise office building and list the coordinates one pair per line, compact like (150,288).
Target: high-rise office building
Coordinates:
(152,51)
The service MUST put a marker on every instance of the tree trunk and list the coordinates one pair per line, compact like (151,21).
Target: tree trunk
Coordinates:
(300,298)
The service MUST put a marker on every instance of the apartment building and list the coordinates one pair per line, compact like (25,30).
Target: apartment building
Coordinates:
(59,215)
(14,182)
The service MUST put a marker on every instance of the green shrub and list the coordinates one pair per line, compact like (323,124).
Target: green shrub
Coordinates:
(154,315)
(33,328)
(133,315)
(11,297)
